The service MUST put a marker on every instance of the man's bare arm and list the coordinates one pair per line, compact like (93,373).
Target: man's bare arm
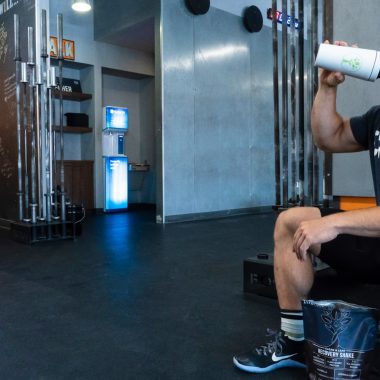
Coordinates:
(363,222)
(331,131)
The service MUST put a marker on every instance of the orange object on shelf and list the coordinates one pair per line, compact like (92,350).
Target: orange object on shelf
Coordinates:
(354,203)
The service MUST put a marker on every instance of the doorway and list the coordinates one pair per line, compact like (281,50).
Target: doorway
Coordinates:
(137,93)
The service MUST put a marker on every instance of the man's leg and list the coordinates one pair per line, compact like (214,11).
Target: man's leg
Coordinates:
(294,280)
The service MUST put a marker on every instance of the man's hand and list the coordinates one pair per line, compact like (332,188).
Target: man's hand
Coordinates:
(332,78)
(311,233)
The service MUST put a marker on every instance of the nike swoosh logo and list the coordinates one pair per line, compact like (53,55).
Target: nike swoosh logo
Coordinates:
(276,358)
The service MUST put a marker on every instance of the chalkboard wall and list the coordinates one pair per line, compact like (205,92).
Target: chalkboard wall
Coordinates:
(8,121)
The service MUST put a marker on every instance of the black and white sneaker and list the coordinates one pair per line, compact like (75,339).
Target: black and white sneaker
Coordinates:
(279,352)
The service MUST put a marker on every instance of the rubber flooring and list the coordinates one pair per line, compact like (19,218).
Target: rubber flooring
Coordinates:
(130,299)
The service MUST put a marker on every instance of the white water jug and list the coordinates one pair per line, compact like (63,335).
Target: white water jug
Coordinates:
(355,62)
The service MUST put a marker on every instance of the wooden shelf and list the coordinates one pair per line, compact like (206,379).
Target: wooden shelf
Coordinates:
(73,129)
(70,64)
(76,96)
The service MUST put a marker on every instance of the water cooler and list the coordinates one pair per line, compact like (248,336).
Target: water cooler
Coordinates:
(115,162)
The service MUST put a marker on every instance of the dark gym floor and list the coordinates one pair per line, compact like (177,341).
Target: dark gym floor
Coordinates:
(131,299)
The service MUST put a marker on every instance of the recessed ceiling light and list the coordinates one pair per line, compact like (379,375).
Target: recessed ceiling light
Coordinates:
(81,5)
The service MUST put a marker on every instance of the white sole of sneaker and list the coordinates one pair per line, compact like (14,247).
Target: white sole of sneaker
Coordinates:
(281,364)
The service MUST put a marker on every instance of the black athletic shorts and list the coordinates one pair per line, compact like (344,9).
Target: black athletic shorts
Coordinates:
(355,256)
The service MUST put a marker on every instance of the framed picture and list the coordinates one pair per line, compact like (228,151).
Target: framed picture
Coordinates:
(68,48)
(53,47)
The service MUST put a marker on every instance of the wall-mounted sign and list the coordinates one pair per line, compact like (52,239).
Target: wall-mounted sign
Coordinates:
(68,48)
(70,85)
(279,18)
(53,47)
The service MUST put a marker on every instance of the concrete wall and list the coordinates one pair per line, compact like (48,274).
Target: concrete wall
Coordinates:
(8,121)
(358,24)
(118,15)
(217,113)
(147,109)
(148,139)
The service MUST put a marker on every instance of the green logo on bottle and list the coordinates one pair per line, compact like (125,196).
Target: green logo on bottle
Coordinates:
(353,63)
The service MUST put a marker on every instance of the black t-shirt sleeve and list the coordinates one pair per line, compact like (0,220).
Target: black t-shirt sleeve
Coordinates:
(361,126)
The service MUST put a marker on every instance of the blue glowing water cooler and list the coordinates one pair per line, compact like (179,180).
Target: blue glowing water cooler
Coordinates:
(115,162)
(115,183)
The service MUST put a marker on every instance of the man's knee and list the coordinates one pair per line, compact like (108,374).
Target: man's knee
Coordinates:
(288,221)
(285,224)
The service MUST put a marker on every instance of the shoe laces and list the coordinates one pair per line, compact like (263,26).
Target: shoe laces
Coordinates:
(275,343)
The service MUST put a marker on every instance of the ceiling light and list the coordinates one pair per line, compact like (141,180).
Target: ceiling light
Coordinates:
(81,5)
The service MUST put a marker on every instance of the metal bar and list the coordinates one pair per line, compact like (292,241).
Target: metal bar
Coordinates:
(24,80)
(49,143)
(52,135)
(31,65)
(44,52)
(44,106)
(60,63)
(38,141)
(309,101)
(328,33)
(45,128)
(285,103)
(293,135)
(301,107)
(17,59)
(277,159)
(47,156)
(314,46)
(54,148)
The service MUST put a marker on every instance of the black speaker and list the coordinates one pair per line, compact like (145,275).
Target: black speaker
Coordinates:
(198,7)
(253,19)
